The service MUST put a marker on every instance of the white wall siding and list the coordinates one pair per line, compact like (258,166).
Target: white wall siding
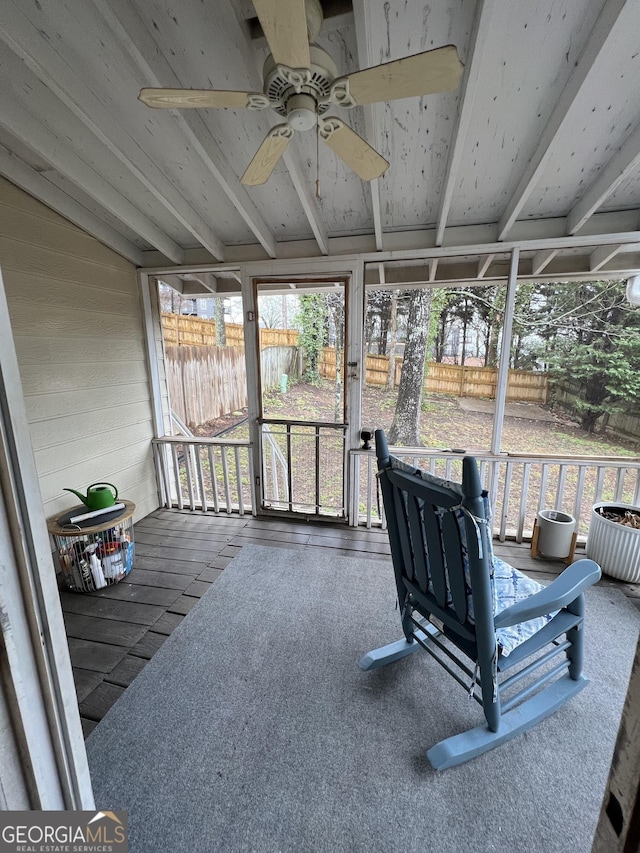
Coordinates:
(76,318)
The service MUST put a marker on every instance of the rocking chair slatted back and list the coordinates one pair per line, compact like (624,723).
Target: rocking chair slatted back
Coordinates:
(432,544)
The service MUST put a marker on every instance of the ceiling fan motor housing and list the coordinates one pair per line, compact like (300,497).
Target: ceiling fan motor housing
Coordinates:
(282,84)
(301,112)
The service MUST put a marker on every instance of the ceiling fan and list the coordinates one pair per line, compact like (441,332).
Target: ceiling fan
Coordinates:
(301,82)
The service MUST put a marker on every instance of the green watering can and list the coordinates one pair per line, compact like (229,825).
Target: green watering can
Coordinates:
(99,496)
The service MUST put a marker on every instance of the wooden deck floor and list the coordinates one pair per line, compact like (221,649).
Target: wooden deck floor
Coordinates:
(113,633)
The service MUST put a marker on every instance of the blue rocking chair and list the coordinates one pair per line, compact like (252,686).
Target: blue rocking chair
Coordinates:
(500,629)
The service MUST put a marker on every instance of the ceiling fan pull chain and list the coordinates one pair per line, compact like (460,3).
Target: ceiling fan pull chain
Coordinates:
(317,160)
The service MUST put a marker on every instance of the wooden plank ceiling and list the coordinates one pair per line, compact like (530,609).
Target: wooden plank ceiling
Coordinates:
(540,142)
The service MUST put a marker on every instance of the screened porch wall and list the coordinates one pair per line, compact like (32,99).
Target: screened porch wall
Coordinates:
(77,323)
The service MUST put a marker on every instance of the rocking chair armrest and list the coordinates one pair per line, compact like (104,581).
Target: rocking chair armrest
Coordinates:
(564,589)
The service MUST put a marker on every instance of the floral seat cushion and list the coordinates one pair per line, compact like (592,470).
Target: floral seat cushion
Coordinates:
(508,585)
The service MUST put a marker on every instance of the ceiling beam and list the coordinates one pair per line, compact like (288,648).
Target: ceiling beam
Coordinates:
(463,240)
(376,209)
(308,201)
(156,71)
(483,264)
(40,55)
(470,85)
(602,255)
(541,260)
(32,182)
(624,162)
(16,119)
(596,43)
(204,284)
(433,268)
(362,18)
(629,240)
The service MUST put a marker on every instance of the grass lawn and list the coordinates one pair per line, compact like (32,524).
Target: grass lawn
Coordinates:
(446,422)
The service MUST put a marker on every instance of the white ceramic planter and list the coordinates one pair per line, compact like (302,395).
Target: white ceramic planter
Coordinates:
(615,547)
(556,533)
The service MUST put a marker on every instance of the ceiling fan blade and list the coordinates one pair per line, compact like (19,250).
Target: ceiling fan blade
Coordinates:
(199,98)
(436,70)
(359,156)
(284,24)
(266,157)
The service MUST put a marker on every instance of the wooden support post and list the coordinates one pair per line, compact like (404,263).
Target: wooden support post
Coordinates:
(618,829)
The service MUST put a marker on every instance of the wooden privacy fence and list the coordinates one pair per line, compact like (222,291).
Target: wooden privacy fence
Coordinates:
(457,380)
(378,369)
(206,382)
(192,333)
(463,381)
(276,362)
(180,330)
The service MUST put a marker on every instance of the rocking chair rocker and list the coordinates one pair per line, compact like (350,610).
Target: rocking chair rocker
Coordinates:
(463,605)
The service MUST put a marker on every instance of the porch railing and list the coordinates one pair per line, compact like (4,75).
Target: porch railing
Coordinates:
(276,471)
(216,475)
(205,474)
(520,485)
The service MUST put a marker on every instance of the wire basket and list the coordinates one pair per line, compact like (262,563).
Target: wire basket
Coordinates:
(92,556)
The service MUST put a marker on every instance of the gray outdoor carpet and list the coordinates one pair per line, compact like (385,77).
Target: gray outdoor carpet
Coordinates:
(252,729)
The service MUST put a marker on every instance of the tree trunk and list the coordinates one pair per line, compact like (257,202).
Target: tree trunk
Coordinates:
(465,321)
(369,325)
(221,332)
(491,359)
(588,421)
(393,331)
(406,420)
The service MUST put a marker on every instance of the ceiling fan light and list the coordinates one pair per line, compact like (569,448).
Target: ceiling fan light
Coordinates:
(301,112)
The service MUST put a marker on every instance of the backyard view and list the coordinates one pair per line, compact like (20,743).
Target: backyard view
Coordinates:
(538,429)
(431,374)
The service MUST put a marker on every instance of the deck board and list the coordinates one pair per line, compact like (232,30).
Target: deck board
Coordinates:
(179,554)
(98,702)
(128,590)
(162,564)
(86,681)
(168,623)
(198,588)
(124,672)
(103,630)
(97,657)
(183,604)
(184,540)
(165,580)
(106,608)
(148,645)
